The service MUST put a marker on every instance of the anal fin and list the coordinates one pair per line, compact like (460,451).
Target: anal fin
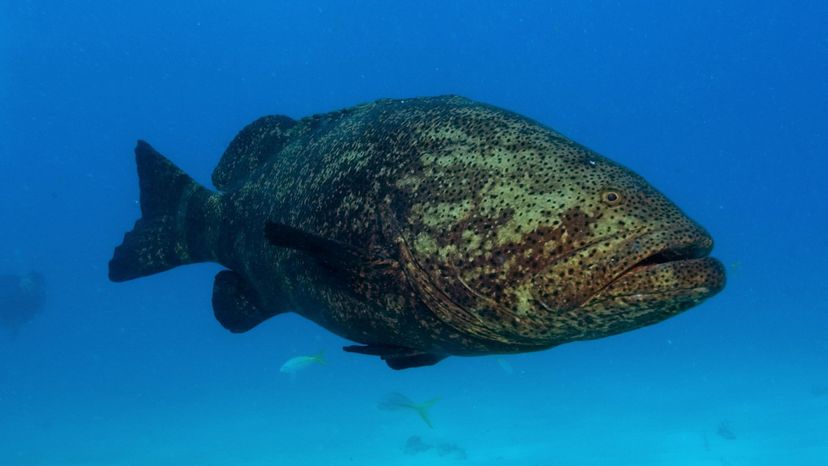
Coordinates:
(397,357)
(236,304)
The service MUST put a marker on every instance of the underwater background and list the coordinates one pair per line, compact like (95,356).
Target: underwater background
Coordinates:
(723,106)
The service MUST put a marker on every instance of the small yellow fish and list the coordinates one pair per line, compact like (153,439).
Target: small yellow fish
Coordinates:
(397,401)
(298,363)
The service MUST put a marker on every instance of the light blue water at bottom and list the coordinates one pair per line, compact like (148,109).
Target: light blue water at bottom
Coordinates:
(202,396)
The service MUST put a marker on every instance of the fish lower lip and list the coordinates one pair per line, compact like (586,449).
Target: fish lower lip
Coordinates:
(668,254)
(653,293)
(702,274)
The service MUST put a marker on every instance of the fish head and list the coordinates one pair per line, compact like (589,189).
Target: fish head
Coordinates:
(617,256)
(538,241)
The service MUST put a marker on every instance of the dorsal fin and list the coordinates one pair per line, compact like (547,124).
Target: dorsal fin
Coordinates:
(254,145)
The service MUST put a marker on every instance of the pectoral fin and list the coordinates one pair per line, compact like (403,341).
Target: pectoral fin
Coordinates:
(397,357)
(334,255)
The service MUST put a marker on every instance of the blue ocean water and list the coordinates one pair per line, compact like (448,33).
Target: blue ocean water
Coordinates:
(723,106)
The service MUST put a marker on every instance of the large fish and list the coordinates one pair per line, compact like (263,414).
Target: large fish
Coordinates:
(423,228)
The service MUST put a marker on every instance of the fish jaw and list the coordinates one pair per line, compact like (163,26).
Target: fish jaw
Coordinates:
(649,293)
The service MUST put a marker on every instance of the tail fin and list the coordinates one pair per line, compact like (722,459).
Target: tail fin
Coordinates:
(422,410)
(158,241)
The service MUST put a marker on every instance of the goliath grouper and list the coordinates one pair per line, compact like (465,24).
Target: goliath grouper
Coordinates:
(423,228)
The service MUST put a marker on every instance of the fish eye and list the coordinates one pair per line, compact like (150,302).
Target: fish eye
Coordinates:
(611,197)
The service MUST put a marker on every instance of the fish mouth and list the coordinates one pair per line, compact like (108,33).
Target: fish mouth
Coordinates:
(674,254)
(666,274)
(670,270)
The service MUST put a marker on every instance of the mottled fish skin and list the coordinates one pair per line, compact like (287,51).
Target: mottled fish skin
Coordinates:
(483,231)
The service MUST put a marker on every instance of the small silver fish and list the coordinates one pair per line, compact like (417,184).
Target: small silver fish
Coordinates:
(298,363)
(504,364)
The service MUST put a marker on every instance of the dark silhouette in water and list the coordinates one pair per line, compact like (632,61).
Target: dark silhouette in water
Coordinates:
(451,449)
(725,431)
(21,299)
(819,390)
(416,445)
